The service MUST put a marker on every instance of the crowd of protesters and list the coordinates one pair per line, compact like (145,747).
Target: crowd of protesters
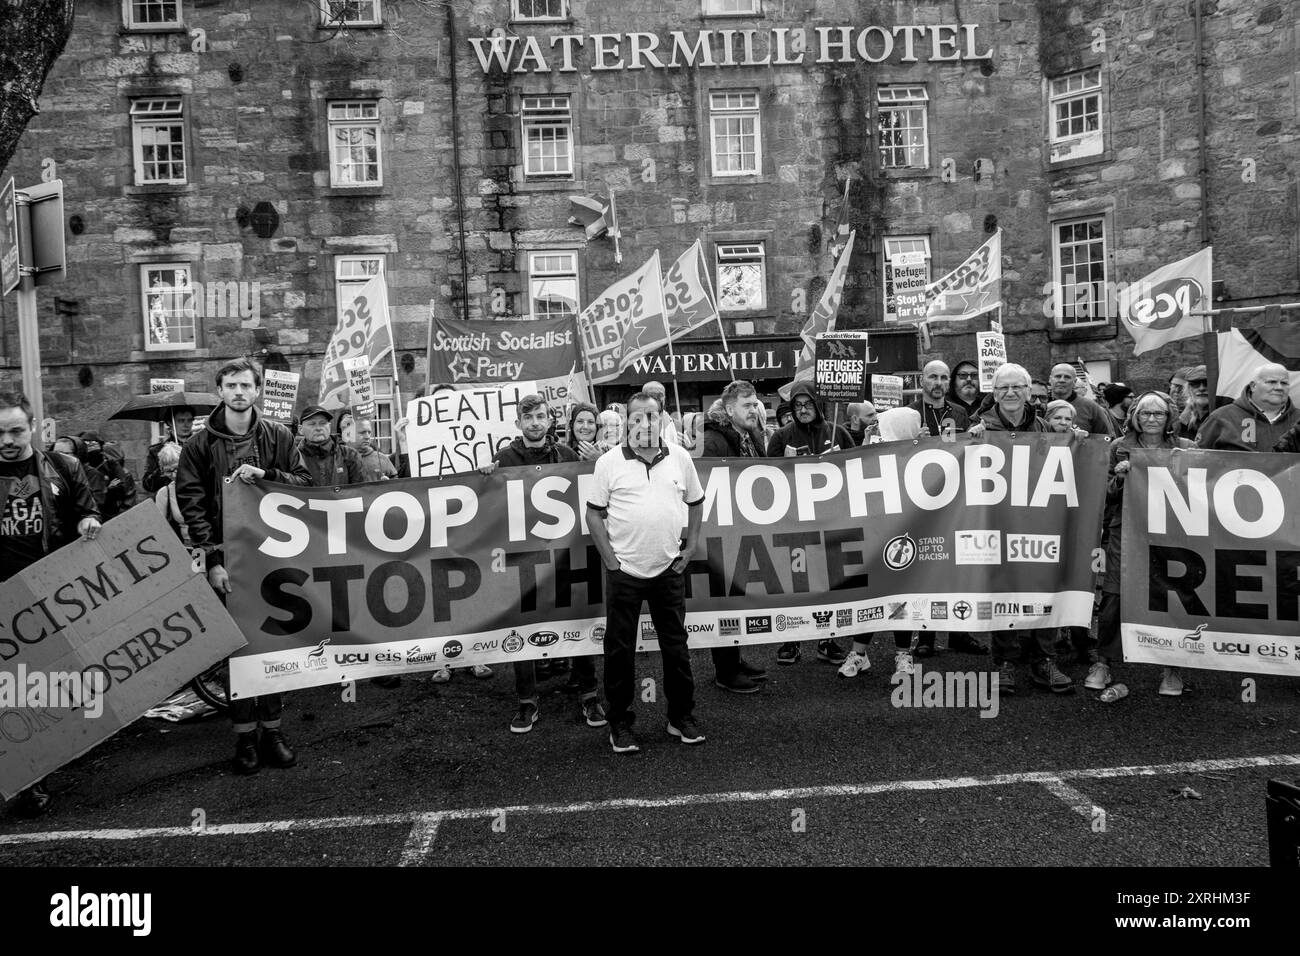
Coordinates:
(644,510)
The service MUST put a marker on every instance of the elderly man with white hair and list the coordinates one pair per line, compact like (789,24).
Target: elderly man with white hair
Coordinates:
(1258,419)
(1088,415)
(1011,412)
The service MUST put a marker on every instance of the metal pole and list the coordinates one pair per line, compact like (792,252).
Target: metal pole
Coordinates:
(29,341)
(455,155)
(1200,93)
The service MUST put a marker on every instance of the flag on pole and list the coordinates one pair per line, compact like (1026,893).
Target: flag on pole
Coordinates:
(1243,351)
(972,288)
(1157,309)
(595,215)
(822,319)
(603,324)
(687,306)
(841,234)
(363,329)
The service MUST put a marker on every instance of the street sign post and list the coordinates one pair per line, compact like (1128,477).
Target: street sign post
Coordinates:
(8,239)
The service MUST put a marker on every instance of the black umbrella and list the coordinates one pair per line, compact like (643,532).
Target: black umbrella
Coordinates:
(160,406)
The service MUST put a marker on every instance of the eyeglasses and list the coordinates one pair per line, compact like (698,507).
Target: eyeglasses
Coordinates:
(1003,389)
(968,376)
(798,405)
(1152,414)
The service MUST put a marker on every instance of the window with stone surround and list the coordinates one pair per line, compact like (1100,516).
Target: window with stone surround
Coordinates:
(355,158)
(1075,102)
(539,10)
(548,137)
(903,126)
(170,308)
(383,420)
(1079,269)
(552,283)
(741,271)
(730,8)
(151,14)
(158,140)
(351,13)
(737,140)
(895,246)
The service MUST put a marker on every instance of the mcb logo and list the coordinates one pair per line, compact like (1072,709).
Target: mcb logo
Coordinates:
(979,547)
(758,625)
(1035,548)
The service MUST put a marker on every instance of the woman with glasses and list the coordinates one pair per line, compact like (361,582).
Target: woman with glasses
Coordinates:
(1151,424)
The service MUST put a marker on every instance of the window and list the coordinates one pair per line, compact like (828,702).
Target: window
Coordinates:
(552,284)
(354,144)
(548,137)
(905,277)
(352,13)
(383,420)
(1079,259)
(539,9)
(1076,115)
(152,14)
(725,8)
(742,277)
(737,141)
(901,120)
(170,311)
(158,132)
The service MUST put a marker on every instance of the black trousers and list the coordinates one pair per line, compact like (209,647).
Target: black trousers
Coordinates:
(666,596)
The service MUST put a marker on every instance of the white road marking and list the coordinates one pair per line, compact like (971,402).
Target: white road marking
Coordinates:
(429,820)
(420,840)
(1073,799)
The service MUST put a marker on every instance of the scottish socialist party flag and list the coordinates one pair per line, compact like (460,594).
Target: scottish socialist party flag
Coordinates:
(822,319)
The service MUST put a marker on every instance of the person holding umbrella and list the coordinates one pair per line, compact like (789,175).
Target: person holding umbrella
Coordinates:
(176,409)
(182,424)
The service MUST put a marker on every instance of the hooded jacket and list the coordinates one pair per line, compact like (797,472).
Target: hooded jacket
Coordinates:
(66,499)
(98,486)
(205,462)
(333,463)
(812,439)
(1224,428)
(119,491)
(517,454)
(972,409)
(722,440)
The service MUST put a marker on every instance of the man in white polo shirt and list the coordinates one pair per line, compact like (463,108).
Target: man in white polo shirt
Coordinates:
(643,494)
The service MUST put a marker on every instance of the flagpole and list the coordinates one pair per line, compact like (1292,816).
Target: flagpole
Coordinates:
(613,214)
(726,349)
(428,353)
(663,314)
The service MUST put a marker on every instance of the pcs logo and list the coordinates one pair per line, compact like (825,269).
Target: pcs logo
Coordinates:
(452,649)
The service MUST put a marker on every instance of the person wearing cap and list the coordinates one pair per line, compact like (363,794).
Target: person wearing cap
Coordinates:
(1118,397)
(182,424)
(1177,390)
(1197,403)
(330,461)
(784,415)
(1258,419)
(1088,415)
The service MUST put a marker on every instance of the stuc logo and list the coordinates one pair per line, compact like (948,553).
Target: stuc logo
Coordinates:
(1166,304)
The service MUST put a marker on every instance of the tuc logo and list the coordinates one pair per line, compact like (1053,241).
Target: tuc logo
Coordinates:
(1036,548)
(979,547)
(1166,304)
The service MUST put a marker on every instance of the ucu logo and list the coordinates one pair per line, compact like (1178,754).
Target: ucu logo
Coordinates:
(1231,648)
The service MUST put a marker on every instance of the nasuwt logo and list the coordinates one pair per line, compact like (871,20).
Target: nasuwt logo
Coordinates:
(759,624)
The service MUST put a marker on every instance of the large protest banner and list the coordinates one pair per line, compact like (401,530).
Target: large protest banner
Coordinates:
(458,431)
(1211,557)
(94,635)
(415,574)
(541,351)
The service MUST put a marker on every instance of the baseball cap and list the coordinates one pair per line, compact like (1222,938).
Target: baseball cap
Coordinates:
(1197,374)
(313,410)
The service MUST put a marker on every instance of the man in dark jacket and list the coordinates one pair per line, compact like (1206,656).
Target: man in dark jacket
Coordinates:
(1258,419)
(238,443)
(182,425)
(537,446)
(736,431)
(329,460)
(45,502)
(1290,442)
(964,391)
(1088,415)
(119,490)
(808,434)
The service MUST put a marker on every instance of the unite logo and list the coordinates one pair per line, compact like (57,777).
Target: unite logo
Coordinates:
(979,547)
(1035,548)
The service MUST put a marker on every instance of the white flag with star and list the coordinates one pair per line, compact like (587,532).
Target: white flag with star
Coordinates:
(363,329)
(602,325)
(972,288)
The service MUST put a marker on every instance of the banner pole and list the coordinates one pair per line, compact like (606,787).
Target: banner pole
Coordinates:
(613,214)
(672,356)
(713,297)
(428,353)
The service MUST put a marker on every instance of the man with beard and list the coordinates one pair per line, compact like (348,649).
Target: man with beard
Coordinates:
(1197,405)
(809,434)
(1118,397)
(45,502)
(1010,412)
(238,444)
(375,465)
(862,422)
(736,431)
(964,390)
(1088,415)
(182,422)
(1258,419)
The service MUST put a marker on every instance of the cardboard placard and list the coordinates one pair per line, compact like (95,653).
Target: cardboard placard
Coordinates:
(453,432)
(279,395)
(840,367)
(886,391)
(992,356)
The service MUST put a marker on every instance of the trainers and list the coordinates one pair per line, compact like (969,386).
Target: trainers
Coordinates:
(1098,676)
(1171,683)
(740,684)
(903,663)
(830,652)
(621,739)
(752,671)
(686,730)
(481,671)
(788,654)
(854,664)
(593,713)
(1046,674)
(524,719)
(441,676)
(1006,678)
